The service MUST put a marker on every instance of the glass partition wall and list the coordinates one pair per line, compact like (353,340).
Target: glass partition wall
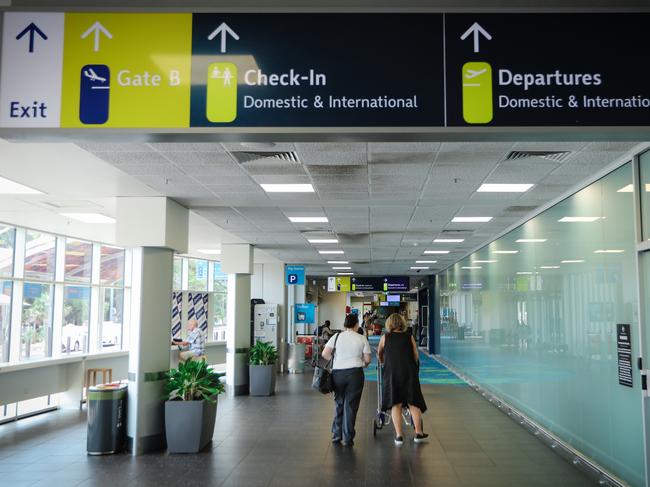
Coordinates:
(533,316)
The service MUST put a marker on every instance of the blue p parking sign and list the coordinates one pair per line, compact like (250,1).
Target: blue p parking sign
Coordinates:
(295,275)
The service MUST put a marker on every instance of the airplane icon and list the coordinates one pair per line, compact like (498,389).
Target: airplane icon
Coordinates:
(92,76)
(471,73)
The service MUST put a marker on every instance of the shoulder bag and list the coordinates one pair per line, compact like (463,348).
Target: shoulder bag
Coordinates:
(322,380)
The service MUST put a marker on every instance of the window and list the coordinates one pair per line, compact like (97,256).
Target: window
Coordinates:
(40,253)
(78,260)
(178,273)
(76,315)
(220,302)
(7,241)
(197,275)
(5,319)
(111,268)
(36,328)
(220,279)
(112,319)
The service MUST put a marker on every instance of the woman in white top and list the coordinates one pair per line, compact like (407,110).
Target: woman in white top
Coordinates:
(351,354)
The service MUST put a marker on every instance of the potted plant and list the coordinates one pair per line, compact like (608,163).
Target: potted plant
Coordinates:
(261,370)
(191,408)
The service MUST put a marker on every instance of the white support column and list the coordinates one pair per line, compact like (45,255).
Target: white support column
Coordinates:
(166,230)
(237,262)
(17,297)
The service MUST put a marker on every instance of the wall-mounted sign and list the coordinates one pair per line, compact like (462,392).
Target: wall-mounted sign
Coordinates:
(181,70)
(624,349)
(304,313)
(338,284)
(295,275)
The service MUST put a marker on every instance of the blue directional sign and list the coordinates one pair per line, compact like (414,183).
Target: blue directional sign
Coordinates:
(295,275)
(94,94)
(305,313)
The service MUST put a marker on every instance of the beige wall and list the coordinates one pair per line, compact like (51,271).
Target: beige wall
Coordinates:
(332,307)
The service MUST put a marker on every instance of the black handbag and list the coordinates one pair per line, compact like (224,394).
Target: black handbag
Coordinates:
(322,380)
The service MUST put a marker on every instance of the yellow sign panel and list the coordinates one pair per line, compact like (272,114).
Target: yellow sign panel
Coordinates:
(126,70)
(477,92)
(343,284)
(222,92)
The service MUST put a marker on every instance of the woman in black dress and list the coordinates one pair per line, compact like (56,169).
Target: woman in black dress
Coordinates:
(398,353)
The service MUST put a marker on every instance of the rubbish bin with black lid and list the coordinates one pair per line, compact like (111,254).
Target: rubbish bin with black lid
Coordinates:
(106,418)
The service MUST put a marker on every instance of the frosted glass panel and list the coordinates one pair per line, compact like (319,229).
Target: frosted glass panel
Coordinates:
(537,325)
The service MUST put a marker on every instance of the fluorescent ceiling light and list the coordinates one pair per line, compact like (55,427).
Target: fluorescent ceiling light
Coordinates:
(524,273)
(448,240)
(572,261)
(210,251)
(579,219)
(436,251)
(308,219)
(345,273)
(504,188)
(287,188)
(530,240)
(505,251)
(609,251)
(472,267)
(484,261)
(338,262)
(415,268)
(471,219)
(7,186)
(322,240)
(342,268)
(89,217)
(330,252)
(426,261)
(550,267)
(630,189)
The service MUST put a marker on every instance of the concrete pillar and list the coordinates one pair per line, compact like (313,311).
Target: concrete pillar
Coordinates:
(237,262)
(155,227)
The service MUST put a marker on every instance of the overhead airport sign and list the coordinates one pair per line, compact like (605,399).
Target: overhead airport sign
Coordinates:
(164,70)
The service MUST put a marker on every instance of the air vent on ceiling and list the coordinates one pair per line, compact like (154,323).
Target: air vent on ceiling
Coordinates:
(244,157)
(519,209)
(555,156)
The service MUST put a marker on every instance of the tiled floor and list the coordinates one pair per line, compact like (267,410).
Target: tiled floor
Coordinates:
(284,441)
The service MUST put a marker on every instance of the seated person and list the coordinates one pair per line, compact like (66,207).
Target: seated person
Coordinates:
(195,344)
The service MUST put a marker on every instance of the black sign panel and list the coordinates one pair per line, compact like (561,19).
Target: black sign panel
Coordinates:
(367,283)
(624,349)
(396,283)
(318,70)
(405,298)
(546,69)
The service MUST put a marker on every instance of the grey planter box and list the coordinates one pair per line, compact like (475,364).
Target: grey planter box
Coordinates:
(261,379)
(189,425)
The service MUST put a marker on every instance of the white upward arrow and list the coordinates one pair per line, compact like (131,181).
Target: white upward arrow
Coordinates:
(97,29)
(223,30)
(477,30)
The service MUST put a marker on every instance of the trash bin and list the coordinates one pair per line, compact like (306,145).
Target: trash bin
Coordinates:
(296,362)
(106,418)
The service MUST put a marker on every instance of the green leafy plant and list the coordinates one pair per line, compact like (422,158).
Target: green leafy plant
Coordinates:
(193,381)
(263,353)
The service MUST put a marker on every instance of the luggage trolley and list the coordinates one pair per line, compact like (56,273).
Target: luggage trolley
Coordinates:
(383,418)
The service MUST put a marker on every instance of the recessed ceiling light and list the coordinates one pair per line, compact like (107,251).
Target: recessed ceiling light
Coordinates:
(471,219)
(526,273)
(448,240)
(330,252)
(436,251)
(472,267)
(7,186)
(287,188)
(578,261)
(530,240)
(89,217)
(322,240)
(415,268)
(210,251)
(484,261)
(345,273)
(630,189)
(578,219)
(308,219)
(504,188)
(426,261)
(609,251)
(338,262)
(505,251)
(550,267)
(342,268)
